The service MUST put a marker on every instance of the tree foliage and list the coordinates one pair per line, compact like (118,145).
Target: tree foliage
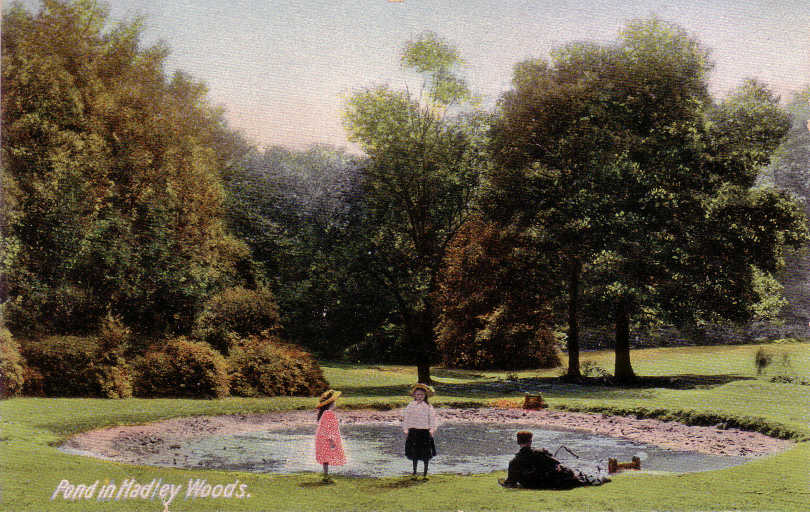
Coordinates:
(236,312)
(790,171)
(791,166)
(182,368)
(12,371)
(418,184)
(493,302)
(262,365)
(111,177)
(640,183)
(301,213)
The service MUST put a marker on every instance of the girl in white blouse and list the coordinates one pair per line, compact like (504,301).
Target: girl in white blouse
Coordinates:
(419,422)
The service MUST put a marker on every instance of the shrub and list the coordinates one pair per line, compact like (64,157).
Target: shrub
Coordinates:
(591,369)
(75,366)
(237,311)
(113,340)
(782,341)
(36,310)
(261,365)
(501,341)
(182,368)
(12,369)
(113,335)
(762,359)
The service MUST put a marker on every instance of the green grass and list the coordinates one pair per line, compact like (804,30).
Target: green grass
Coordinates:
(31,467)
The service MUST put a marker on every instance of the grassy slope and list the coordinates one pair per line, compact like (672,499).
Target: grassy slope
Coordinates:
(30,467)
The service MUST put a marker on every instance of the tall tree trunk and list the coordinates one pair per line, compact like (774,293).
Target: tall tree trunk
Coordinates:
(623,369)
(423,373)
(424,343)
(573,323)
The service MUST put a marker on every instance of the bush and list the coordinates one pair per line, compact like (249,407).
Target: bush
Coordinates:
(113,340)
(182,368)
(498,341)
(502,342)
(75,366)
(762,359)
(261,365)
(113,336)
(12,369)
(38,310)
(237,311)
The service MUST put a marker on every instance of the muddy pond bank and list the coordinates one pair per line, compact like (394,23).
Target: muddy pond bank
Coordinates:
(135,443)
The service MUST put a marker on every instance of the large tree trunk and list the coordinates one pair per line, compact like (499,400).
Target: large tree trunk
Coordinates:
(573,325)
(423,373)
(424,343)
(623,369)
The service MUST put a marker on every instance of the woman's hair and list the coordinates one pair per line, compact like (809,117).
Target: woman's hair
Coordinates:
(321,410)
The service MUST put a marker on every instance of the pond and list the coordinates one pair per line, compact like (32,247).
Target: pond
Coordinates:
(377,450)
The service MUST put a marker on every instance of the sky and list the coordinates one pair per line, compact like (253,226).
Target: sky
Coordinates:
(282,69)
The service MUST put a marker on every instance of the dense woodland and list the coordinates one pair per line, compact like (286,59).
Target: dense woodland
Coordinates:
(607,190)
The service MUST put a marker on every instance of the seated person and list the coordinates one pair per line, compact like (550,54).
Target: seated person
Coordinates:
(537,469)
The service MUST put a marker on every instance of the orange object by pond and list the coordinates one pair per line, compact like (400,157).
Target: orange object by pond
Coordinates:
(534,402)
(614,465)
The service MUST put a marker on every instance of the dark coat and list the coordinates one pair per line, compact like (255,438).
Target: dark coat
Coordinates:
(537,469)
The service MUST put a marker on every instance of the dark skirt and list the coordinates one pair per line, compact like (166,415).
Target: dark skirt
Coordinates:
(419,444)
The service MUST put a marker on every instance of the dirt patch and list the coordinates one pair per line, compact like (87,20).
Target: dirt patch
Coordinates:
(130,443)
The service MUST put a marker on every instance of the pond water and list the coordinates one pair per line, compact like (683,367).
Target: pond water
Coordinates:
(463,448)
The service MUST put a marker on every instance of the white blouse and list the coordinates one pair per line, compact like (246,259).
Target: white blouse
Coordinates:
(419,415)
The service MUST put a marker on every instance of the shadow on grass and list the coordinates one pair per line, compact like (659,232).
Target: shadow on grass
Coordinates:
(402,483)
(398,390)
(593,387)
(316,484)
(452,373)
(685,381)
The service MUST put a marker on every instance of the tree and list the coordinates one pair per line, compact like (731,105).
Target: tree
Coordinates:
(111,176)
(552,144)
(737,240)
(301,213)
(790,171)
(633,173)
(493,302)
(424,162)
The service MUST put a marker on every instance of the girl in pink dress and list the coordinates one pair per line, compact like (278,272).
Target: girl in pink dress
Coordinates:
(328,443)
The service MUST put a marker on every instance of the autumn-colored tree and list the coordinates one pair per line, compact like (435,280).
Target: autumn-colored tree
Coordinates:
(111,174)
(493,302)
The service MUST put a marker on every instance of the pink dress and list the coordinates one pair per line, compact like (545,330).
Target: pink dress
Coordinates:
(328,429)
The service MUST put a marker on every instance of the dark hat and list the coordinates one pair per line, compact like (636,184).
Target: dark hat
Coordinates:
(524,436)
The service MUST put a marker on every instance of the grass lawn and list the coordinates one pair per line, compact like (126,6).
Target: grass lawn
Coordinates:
(726,387)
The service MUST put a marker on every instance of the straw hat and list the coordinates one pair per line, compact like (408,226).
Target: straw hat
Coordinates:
(327,397)
(424,387)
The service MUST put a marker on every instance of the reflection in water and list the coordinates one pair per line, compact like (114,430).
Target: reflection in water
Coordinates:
(378,450)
